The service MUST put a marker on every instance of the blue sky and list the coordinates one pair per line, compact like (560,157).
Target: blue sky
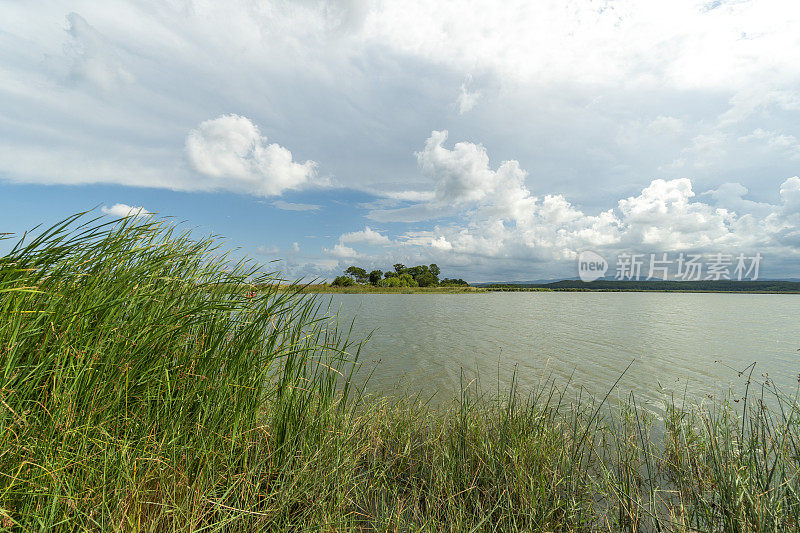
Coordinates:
(496,139)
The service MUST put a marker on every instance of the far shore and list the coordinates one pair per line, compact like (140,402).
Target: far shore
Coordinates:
(370,289)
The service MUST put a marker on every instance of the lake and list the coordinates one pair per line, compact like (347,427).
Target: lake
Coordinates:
(679,342)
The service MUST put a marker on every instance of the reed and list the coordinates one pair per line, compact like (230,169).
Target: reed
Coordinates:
(144,387)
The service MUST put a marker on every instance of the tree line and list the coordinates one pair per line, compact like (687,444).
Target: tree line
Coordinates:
(399,276)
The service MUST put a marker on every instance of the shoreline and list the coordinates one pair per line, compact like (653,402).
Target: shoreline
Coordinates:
(369,289)
(322,289)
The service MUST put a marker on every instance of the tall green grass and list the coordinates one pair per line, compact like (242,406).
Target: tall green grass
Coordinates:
(144,389)
(142,385)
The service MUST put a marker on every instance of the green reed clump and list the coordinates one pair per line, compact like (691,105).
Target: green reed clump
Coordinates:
(139,378)
(145,387)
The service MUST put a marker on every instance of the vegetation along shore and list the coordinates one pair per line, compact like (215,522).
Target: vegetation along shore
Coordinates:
(143,389)
(423,279)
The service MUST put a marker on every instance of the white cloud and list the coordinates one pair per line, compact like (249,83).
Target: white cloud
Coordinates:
(341,251)
(664,217)
(366,236)
(161,68)
(774,140)
(232,152)
(732,196)
(410,196)
(501,220)
(467,98)
(462,174)
(666,125)
(755,99)
(93,57)
(790,194)
(268,250)
(125,210)
(290,206)
(677,42)
(440,243)
(707,148)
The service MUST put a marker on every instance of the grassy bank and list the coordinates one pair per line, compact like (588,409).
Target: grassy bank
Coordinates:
(139,392)
(371,289)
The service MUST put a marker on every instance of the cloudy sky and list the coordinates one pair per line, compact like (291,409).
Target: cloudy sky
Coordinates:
(497,139)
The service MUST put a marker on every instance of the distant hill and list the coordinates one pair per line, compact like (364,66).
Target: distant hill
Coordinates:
(764,286)
(521,283)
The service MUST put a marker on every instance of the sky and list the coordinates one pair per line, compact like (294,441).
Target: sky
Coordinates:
(496,139)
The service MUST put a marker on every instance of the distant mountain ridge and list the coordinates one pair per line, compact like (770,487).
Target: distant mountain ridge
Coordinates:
(766,285)
(607,278)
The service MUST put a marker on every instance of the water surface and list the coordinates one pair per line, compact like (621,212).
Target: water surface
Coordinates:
(680,343)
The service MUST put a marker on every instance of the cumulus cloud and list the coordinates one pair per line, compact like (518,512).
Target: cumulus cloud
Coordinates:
(232,152)
(462,178)
(125,210)
(341,251)
(440,243)
(732,196)
(500,220)
(462,174)
(344,249)
(663,217)
(790,194)
(366,236)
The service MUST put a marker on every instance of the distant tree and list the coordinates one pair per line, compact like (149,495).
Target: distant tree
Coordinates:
(375,276)
(392,281)
(399,268)
(427,279)
(407,280)
(434,268)
(417,271)
(343,281)
(452,282)
(389,274)
(358,273)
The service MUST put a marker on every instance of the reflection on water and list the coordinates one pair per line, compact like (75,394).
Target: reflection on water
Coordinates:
(680,343)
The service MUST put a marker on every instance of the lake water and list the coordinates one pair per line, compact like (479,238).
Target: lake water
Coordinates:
(678,342)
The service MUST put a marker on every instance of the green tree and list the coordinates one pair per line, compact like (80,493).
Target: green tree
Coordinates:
(427,279)
(452,282)
(406,280)
(417,271)
(392,281)
(358,273)
(389,274)
(375,276)
(399,268)
(343,281)
(434,268)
